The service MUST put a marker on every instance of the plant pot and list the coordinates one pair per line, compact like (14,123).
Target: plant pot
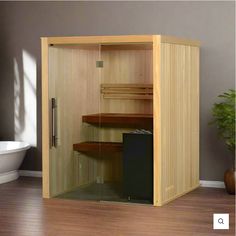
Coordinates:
(229,179)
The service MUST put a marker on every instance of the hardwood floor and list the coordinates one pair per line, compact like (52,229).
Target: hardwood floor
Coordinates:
(24,212)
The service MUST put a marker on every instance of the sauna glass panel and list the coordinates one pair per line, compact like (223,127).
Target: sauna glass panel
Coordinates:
(74,86)
(126,105)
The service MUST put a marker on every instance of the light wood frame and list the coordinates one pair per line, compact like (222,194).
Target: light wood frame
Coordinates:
(175,110)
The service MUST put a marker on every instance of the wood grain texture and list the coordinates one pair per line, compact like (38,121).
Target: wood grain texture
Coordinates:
(118,39)
(27,214)
(179,121)
(134,120)
(122,39)
(179,41)
(157,118)
(125,66)
(127,86)
(45,120)
(96,147)
(70,71)
(127,91)
(130,96)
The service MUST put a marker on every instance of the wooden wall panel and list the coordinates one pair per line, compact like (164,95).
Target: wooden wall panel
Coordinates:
(179,121)
(125,66)
(74,81)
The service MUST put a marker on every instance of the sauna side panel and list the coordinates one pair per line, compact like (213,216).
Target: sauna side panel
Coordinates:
(74,81)
(179,120)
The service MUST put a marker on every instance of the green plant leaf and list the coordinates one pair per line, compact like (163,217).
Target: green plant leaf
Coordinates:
(224,118)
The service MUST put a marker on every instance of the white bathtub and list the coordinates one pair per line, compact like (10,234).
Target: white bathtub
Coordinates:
(12,154)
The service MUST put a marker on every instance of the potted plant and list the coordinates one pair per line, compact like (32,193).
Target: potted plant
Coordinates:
(224,119)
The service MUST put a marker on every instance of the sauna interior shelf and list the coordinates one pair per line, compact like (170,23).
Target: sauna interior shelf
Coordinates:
(120,120)
(95,147)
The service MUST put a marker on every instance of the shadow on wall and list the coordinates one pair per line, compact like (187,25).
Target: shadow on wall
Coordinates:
(20,86)
(18,103)
(25,101)
(25,112)
(6,89)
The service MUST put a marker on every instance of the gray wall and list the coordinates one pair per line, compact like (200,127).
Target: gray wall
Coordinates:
(23,23)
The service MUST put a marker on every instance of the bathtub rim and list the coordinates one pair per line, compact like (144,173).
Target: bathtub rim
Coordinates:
(25,146)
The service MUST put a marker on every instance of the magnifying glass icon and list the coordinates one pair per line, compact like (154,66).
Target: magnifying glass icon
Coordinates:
(220,221)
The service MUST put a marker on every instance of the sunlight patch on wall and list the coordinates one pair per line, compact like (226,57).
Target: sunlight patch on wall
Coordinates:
(25,99)
(17,103)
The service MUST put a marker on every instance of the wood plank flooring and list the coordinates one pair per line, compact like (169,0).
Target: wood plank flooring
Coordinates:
(24,212)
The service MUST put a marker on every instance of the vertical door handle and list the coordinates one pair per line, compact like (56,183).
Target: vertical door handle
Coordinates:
(54,122)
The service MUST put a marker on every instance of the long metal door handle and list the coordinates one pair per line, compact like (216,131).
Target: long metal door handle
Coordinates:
(54,122)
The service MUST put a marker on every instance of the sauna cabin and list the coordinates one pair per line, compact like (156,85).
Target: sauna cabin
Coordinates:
(120,118)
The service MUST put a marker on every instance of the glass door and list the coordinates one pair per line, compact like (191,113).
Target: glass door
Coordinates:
(74,92)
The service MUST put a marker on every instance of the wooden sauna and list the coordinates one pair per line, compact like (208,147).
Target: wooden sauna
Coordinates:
(96,89)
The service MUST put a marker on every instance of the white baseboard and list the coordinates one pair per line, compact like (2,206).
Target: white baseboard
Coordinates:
(30,173)
(203,183)
(212,184)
